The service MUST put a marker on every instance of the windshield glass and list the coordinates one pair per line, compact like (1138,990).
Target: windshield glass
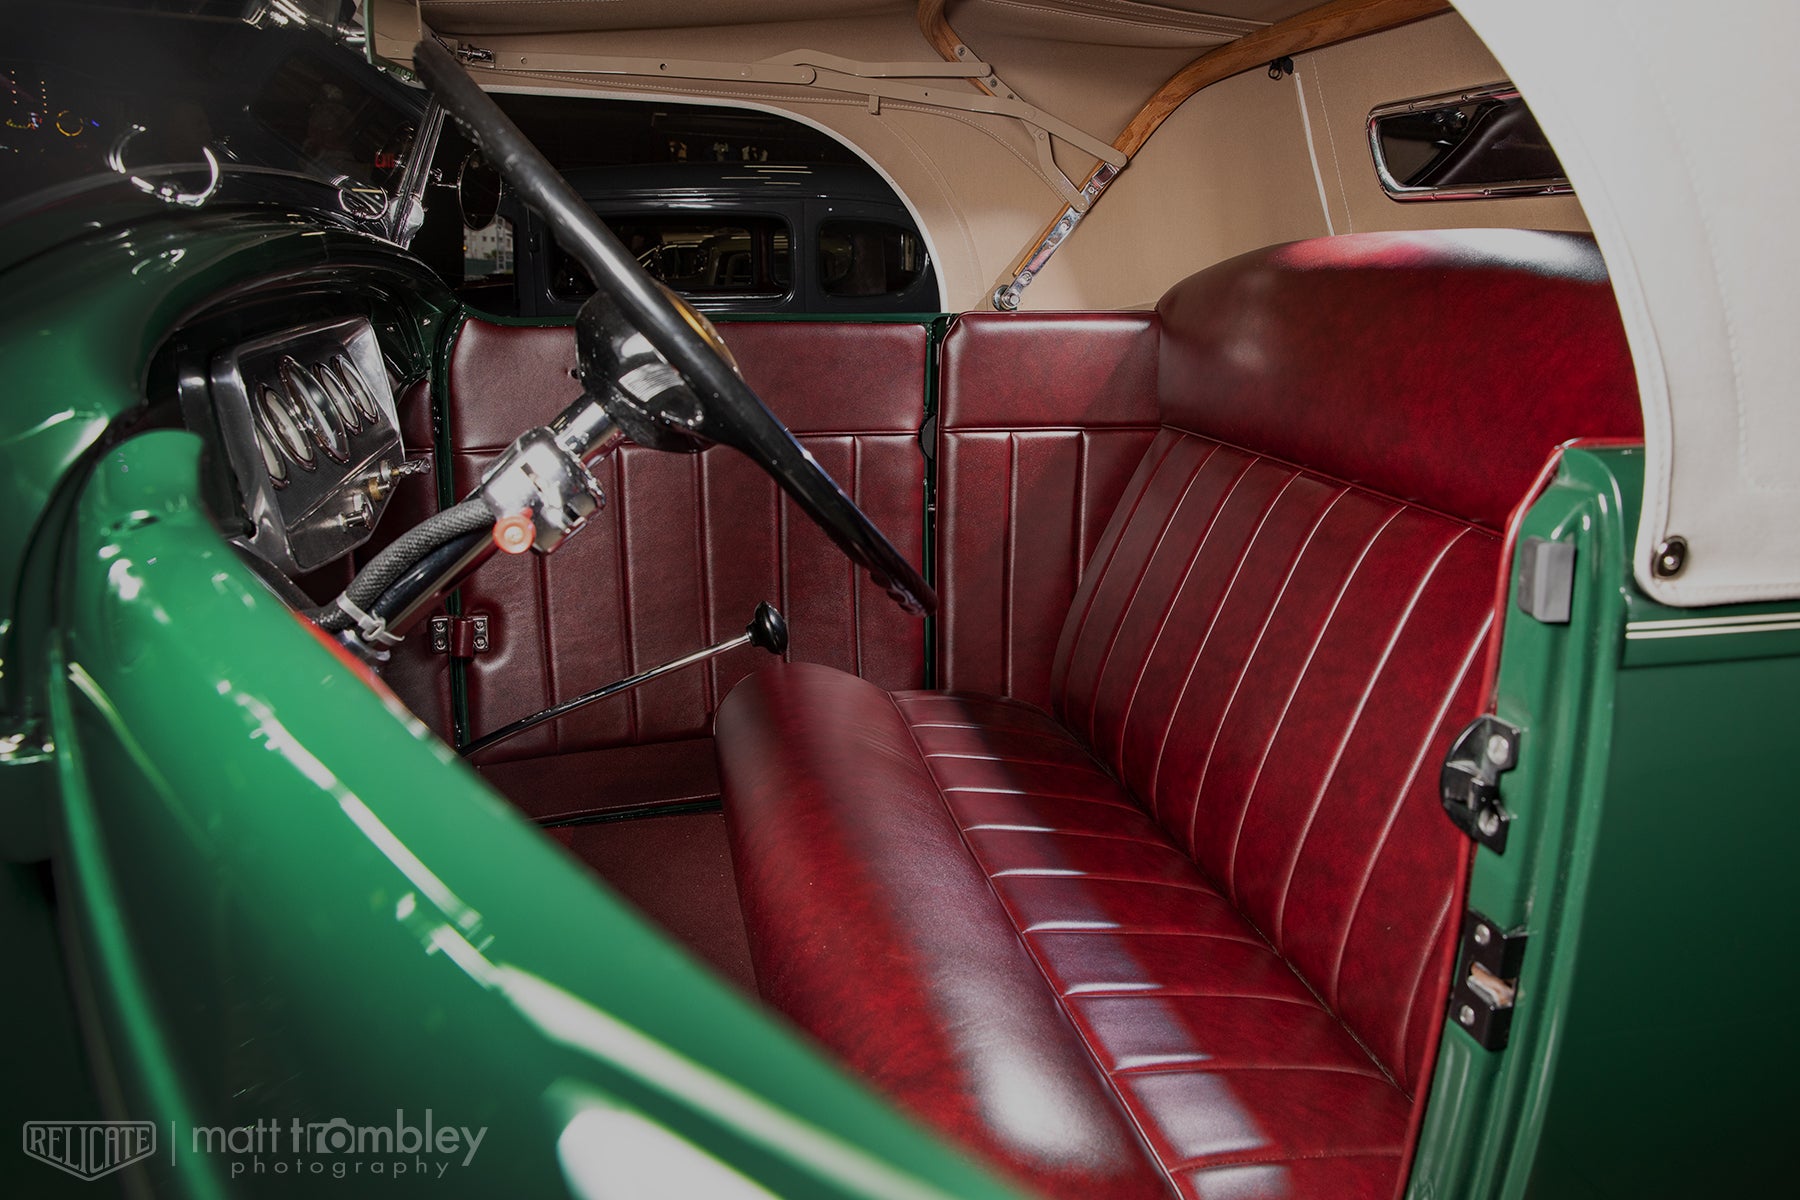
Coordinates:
(81,81)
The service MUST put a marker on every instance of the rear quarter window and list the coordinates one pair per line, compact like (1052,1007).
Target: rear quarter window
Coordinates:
(868,258)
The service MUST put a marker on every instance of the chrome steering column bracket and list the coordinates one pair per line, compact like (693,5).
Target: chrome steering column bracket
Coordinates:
(540,489)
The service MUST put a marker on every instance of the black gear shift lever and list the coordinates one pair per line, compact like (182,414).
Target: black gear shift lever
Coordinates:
(767,629)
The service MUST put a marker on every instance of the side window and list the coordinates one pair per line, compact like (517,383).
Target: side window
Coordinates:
(488,253)
(695,255)
(868,258)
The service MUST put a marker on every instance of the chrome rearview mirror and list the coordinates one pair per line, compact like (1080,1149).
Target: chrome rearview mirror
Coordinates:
(1463,146)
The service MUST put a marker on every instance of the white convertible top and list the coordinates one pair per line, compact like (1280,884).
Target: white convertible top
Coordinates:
(1678,132)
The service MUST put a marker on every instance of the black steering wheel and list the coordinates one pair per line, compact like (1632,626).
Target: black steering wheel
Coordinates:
(714,404)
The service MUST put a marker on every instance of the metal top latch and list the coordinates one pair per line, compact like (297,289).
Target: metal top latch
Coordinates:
(1487,980)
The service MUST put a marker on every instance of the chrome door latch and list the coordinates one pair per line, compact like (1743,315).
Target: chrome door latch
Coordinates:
(1470,781)
(1487,977)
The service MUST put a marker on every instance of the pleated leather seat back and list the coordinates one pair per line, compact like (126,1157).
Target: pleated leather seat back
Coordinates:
(1285,621)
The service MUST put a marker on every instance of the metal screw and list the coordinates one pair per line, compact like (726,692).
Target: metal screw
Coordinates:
(1467,1015)
(1483,935)
(1499,750)
(1671,558)
(1488,822)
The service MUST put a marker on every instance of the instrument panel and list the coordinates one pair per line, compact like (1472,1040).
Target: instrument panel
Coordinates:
(309,426)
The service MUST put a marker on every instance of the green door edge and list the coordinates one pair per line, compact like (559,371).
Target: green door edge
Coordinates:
(1642,908)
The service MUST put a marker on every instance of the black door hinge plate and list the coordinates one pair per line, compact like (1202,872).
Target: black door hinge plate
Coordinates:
(1470,781)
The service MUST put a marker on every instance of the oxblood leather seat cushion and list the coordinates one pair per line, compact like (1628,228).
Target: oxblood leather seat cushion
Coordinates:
(1204,915)
(998,937)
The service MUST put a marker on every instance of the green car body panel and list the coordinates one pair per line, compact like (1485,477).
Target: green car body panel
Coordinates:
(1652,814)
(278,897)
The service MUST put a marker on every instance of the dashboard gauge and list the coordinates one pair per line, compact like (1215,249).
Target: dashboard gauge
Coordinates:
(278,414)
(338,391)
(273,460)
(310,403)
(360,393)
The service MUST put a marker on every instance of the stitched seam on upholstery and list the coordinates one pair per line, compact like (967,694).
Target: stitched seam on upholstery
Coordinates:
(702,528)
(1223,1161)
(1031,953)
(1043,873)
(1193,1068)
(856,615)
(1432,948)
(1305,1002)
(623,557)
(1006,562)
(1081,502)
(1181,887)
(1293,690)
(783,585)
(938,698)
(1015,762)
(988,791)
(1242,672)
(1047,831)
(1098,572)
(1362,703)
(1393,816)
(1059,739)
(540,596)
(1123,932)
(1211,624)
(1097,428)
(1137,584)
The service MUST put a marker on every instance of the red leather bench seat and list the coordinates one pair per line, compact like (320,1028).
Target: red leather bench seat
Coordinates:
(1190,932)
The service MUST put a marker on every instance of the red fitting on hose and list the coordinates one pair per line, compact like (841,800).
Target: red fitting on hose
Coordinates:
(515,533)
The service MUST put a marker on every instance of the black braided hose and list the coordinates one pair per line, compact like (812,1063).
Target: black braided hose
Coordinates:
(417,543)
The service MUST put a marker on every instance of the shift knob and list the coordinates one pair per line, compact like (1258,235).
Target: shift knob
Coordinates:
(768,628)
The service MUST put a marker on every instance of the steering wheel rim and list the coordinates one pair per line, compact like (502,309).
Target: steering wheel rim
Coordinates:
(727,410)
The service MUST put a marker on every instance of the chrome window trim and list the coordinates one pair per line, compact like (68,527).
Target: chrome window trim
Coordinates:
(1399,191)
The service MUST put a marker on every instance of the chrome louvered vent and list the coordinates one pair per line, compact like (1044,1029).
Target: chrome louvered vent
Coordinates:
(311,432)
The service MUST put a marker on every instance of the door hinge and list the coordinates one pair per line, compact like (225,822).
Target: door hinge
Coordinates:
(459,637)
(1470,781)
(1487,980)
